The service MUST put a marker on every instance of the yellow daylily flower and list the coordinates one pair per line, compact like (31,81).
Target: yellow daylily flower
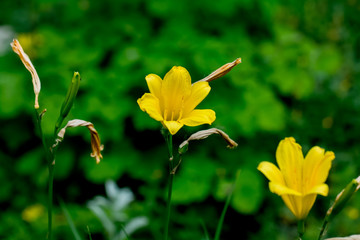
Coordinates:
(298,180)
(172,101)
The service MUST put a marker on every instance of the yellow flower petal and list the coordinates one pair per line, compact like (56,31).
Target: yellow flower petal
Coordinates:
(176,87)
(299,205)
(150,104)
(154,83)
(198,117)
(290,203)
(173,126)
(290,160)
(324,167)
(281,189)
(199,91)
(322,189)
(306,204)
(271,172)
(316,167)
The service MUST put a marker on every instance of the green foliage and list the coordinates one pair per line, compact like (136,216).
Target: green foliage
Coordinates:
(248,193)
(193,182)
(299,77)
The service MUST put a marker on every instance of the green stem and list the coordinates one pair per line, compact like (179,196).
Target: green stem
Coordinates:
(301,228)
(168,139)
(222,217)
(322,231)
(88,229)
(50,199)
(50,160)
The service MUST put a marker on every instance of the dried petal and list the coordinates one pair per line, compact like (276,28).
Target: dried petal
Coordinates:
(206,133)
(96,145)
(29,66)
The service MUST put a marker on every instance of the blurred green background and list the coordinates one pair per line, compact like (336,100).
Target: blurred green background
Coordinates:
(299,77)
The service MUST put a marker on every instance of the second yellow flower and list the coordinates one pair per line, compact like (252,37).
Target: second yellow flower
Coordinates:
(298,180)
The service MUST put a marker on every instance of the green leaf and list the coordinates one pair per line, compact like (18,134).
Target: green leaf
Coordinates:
(248,193)
(192,181)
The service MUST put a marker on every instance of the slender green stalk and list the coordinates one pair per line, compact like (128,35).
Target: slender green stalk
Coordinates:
(50,160)
(168,207)
(73,229)
(88,229)
(301,228)
(50,199)
(206,233)
(168,139)
(222,217)
(322,231)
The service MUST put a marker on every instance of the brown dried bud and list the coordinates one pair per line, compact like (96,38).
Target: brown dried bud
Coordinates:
(95,139)
(204,134)
(29,66)
(221,71)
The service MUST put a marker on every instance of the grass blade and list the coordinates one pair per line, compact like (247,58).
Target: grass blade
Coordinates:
(70,221)
(226,206)
(206,233)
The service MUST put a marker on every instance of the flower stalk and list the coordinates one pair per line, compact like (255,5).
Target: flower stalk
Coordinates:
(301,228)
(50,157)
(168,138)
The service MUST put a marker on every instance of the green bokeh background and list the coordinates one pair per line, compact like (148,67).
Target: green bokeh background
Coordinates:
(299,77)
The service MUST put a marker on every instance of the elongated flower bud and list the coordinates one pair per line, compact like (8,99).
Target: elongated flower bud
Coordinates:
(218,73)
(30,67)
(69,99)
(342,198)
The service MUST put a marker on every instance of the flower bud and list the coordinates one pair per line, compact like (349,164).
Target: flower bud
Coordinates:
(342,198)
(221,71)
(69,99)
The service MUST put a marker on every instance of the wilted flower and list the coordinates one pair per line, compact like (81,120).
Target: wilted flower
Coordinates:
(299,180)
(206,133)
(29,66)
(172,101)
(95,139)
